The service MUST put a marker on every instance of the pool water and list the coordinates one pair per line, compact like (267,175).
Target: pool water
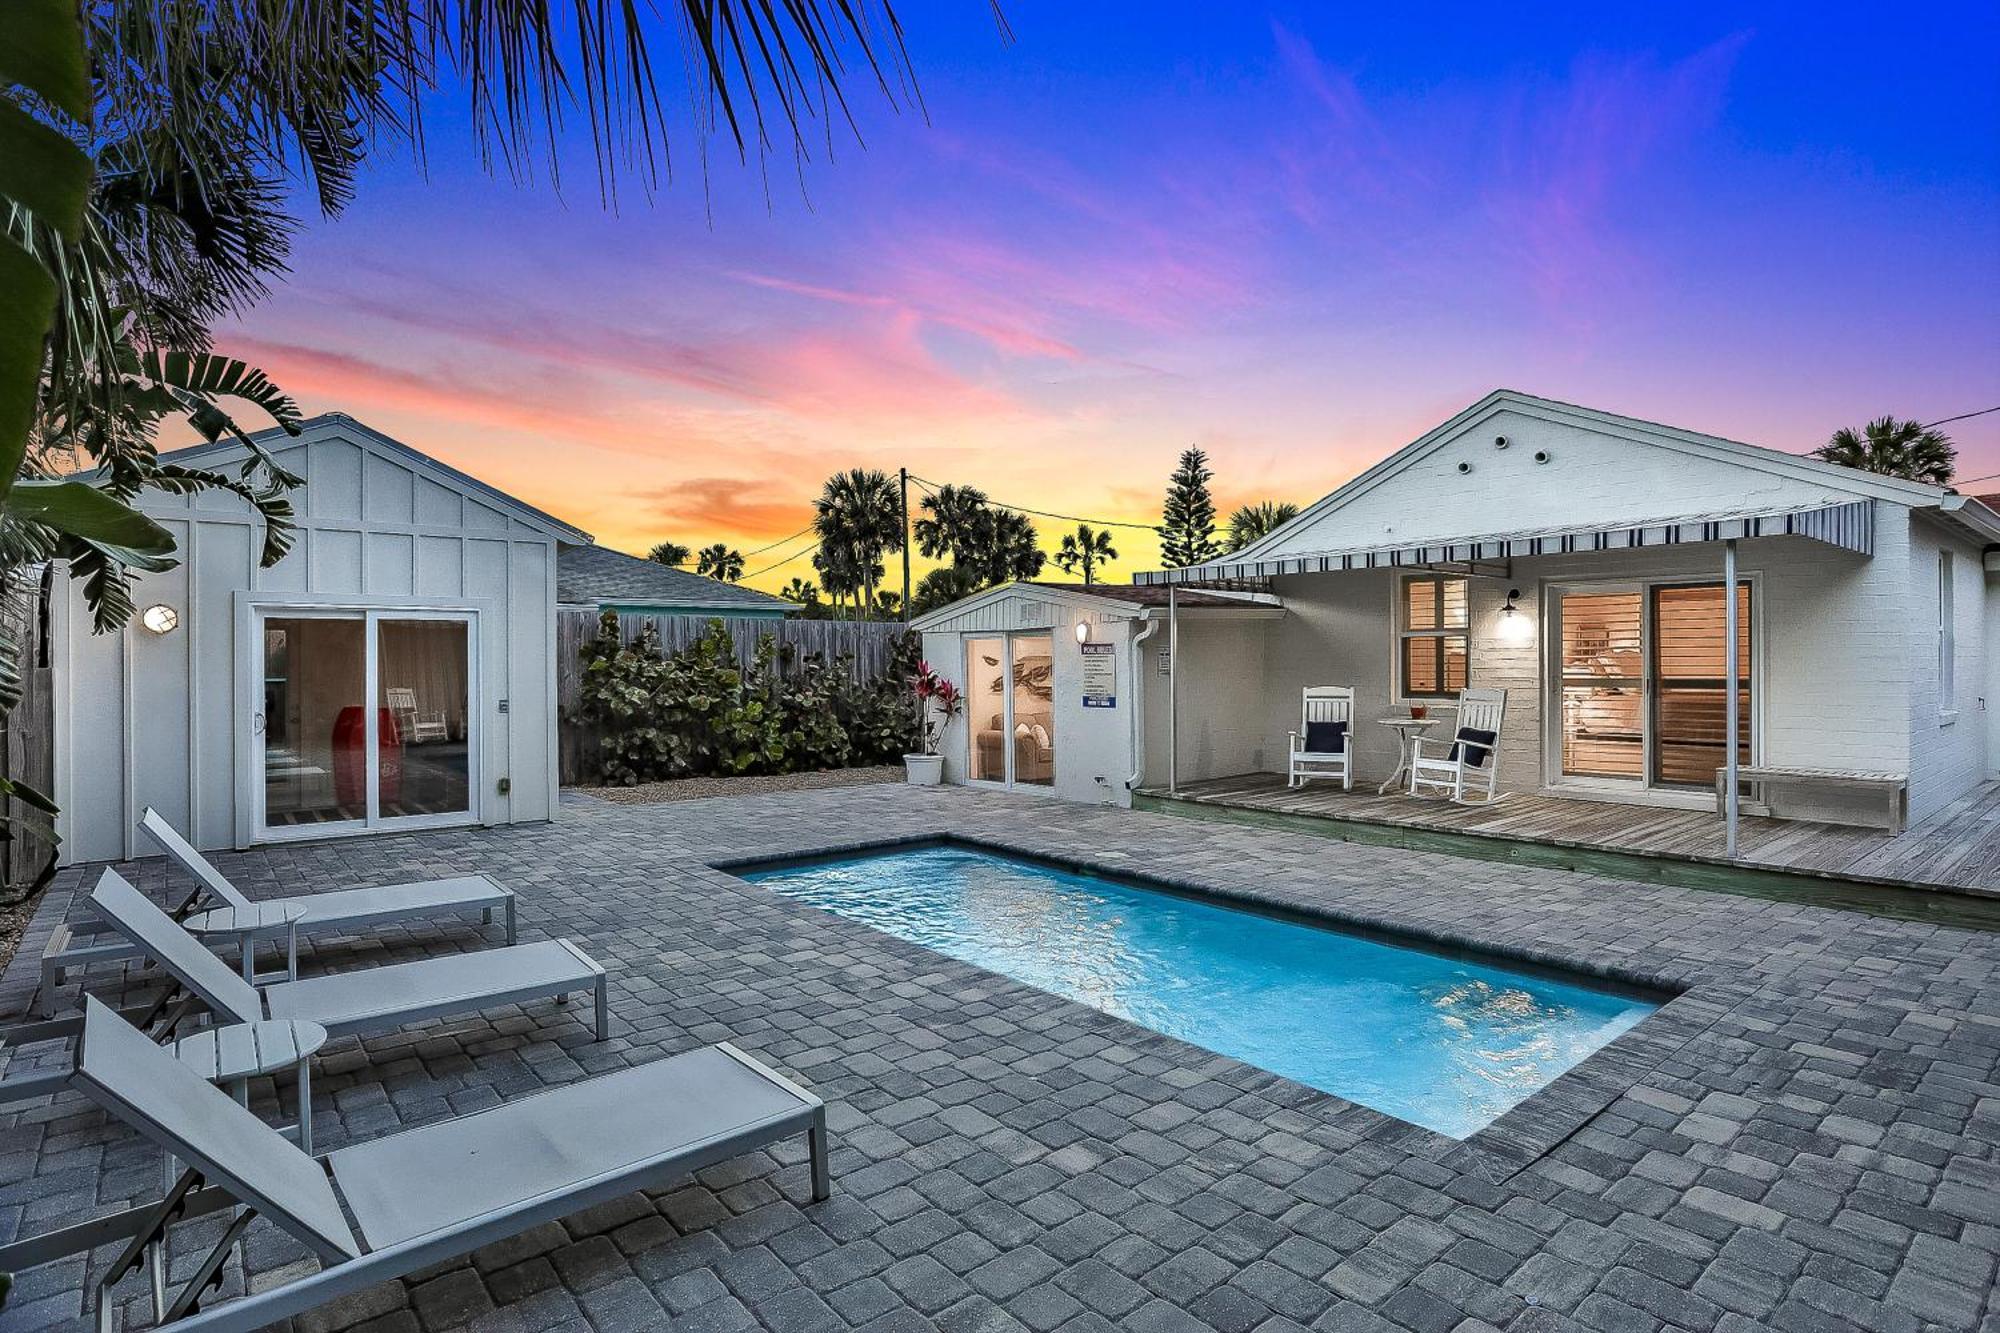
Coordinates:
(1442,1042)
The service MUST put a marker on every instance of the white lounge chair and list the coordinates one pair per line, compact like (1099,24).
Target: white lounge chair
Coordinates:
(1472,761)
(336,910)
(415,1198)
(370,999)
(1331,707)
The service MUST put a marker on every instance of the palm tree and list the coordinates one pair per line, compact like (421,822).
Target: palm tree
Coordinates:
(1892,448)
(800,591)
(839,575)
(1255,522)
(950,525)
(720,561)
(860,514)
(1009,547)
(669,553)
(1087,547)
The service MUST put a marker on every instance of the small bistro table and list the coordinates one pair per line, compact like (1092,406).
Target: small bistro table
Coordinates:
(1409,730)
(246,925)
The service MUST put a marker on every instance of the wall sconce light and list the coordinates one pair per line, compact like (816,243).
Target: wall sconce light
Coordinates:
(1514,623)
(1083,631)
(160,618)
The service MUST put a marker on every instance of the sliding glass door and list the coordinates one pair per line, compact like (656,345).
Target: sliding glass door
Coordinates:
(363,719)
(1637,685)
(1010,710)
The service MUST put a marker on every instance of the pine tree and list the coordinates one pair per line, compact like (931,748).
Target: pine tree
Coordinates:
(1187,526)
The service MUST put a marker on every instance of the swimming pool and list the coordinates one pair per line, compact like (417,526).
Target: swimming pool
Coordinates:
(1443,1042)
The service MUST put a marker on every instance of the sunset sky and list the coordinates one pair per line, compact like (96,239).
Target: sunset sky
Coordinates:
(1296,236)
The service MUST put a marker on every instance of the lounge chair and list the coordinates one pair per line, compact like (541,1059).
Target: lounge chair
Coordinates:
(370,999)
(336,910)
(415,1198)
(1323,746)
(1472,763)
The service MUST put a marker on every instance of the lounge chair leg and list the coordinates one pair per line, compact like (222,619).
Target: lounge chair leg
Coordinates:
(603,1008)
(305,1107)
(816,1145)
(510,921)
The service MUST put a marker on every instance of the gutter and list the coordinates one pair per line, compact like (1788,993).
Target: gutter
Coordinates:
(1138,707)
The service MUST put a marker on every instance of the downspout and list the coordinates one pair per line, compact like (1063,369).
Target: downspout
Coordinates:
(1731,673)
(1173,688)
(1139,707)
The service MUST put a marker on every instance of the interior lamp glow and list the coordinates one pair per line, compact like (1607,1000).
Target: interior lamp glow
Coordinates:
(1083,631)
(160,618)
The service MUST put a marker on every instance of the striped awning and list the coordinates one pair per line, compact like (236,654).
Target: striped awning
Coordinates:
(1848,525)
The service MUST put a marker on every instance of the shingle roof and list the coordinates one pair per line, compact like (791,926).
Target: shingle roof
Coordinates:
(597,575)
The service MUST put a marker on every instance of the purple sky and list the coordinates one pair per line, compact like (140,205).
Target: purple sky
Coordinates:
(1294,237)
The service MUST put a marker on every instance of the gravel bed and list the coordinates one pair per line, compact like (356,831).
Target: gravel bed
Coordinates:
(697,789)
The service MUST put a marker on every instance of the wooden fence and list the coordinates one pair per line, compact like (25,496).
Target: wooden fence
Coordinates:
(867,644)
(27,740)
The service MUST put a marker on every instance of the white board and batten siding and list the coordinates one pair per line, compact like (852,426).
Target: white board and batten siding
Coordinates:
(167,720)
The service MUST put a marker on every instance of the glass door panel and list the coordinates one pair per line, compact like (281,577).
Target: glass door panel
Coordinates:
(1034,710)
(423,670)
(1690,718)
(1603,687)
(314,742)
(986,709)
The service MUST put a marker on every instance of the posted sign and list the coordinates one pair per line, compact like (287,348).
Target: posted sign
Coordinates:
(1100,675)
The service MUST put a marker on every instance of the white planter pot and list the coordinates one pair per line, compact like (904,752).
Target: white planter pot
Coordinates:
(923,770)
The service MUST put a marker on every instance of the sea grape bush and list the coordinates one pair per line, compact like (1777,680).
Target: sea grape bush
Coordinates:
(696,713)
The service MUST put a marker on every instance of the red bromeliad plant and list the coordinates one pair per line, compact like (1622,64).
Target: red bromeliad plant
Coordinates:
(939,700)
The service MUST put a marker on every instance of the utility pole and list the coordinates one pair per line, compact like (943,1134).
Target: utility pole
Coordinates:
(905,476)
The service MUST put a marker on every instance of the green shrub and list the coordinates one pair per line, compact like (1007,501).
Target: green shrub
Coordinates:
(697,713)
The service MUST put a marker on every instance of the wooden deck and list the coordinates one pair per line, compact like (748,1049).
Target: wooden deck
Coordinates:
(1957,849)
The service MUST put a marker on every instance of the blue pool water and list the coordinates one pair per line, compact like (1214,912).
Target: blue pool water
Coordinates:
(1438,1041)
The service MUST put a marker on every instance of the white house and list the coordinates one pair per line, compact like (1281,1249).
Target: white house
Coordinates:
(1869,611)
(1078,677)
(395,670)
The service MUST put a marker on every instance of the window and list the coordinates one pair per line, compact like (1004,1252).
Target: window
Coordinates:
(1947,637)
(1433,655)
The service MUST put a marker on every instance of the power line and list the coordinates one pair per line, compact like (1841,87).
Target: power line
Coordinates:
(1043,513)
(756,573)
(1962,416)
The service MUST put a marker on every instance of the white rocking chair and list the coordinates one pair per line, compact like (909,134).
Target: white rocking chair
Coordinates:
(1472,763)
(1326,704)
(414,724)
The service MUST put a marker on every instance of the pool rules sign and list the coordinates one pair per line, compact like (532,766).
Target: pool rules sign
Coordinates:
(1100,675)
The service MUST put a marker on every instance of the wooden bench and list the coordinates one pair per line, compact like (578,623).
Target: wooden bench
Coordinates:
(1896,786)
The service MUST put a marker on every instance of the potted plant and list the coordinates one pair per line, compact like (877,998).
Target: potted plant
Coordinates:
(938,701)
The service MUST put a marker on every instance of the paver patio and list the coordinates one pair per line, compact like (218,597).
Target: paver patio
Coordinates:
(1818,1148)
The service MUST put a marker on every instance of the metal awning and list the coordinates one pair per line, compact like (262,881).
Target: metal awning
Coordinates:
(1848,525)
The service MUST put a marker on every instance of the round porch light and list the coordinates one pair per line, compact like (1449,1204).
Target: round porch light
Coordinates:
(1083,631)
(160,618)
(1514,624)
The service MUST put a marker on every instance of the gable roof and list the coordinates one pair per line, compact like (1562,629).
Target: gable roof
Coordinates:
(1111,599)
(339,425)
(598,575)
(1819,486)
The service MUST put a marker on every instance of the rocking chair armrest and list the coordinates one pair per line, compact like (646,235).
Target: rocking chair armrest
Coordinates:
(1417,744)
(1298,741)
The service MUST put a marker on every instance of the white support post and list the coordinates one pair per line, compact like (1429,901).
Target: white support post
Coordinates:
(1173,688)
(1731,684)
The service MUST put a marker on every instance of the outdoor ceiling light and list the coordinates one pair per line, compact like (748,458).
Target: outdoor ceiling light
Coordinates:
(1083,631)
(160,618)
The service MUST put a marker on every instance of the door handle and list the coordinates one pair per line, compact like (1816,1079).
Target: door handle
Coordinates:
(257,724)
